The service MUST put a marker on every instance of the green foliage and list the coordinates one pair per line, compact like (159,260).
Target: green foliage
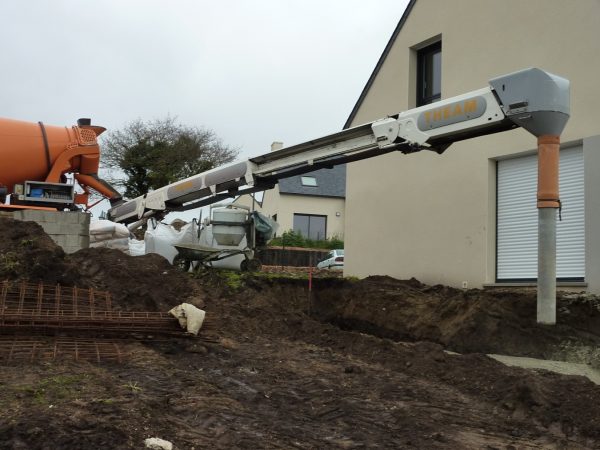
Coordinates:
(231,279)
(281,276)
(291,238)
(154,154)
(27,242)
(133,387)
(9,263)
(234,282)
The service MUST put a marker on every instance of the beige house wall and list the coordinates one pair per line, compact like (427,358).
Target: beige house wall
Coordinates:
(433,216)
(249,202)
(333,208)
(285,205)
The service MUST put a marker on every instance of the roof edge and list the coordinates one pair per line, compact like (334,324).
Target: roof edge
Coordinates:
(379,64)
(301,194)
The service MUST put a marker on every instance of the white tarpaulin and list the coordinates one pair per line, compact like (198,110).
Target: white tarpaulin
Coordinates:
(160,238)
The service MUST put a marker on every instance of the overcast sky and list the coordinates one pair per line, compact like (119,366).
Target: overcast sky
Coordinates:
(253,71)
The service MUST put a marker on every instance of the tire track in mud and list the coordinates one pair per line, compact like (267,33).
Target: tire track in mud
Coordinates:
(282,378)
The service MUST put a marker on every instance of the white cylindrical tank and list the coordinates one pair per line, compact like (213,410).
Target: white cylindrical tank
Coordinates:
(224,233)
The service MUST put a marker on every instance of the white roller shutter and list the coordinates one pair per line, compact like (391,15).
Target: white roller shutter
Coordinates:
(517,218)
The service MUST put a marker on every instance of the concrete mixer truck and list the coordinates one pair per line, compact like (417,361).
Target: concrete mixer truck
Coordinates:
(36,161)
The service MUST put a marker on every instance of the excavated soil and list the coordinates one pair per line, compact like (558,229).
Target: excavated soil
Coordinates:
(475,321)
(352,364)
(145,283)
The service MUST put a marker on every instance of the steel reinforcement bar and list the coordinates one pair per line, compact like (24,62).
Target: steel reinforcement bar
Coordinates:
(41,307)
(28,348)
(57,299)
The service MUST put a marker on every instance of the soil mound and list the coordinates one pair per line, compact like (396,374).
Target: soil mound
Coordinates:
(143,283)
(473,321)
(28,253)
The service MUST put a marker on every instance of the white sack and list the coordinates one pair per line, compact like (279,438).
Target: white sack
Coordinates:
(106,227)
(189,317)
(158,444)
(136,247)
(118,244)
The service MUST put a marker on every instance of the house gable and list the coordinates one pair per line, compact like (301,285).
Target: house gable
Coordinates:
(379,64)
(441,224)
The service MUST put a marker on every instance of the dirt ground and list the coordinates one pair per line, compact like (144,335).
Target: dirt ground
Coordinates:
(352,364)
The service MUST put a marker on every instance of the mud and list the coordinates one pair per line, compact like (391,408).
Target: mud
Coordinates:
(145,283)
(474,321)
(352,364)
(142,283)
(26,252)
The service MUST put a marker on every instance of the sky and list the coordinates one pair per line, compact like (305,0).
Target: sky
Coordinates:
(253,71)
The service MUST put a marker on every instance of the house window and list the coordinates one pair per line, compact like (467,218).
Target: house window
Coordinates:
(429,74)
(309,181)
(311,226)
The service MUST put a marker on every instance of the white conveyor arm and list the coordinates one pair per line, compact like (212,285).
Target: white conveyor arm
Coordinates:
(532,98)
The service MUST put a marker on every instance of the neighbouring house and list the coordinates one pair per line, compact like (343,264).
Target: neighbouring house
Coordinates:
(468,217)
(312,204)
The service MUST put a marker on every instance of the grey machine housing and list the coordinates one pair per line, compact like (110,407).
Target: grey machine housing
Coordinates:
(534,99)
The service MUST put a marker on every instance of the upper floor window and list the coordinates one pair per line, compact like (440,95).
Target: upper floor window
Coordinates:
(429,74)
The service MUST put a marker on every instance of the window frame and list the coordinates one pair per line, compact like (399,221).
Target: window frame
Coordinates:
(424,57)
(309,216)
(304,178)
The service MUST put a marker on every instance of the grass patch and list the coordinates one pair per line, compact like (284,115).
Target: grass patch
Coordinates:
(223,278)
(134,387)
(281,276)
(57,387)
(232,280)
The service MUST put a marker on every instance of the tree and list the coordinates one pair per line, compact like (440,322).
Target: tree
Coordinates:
(155,153)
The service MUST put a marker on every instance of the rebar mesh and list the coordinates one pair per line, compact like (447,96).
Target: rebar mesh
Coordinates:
(30,348)
(84,318)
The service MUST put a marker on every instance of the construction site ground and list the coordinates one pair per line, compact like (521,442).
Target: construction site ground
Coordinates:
(372,363)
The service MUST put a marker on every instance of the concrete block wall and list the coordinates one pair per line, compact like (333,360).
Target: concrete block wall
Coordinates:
(70,230)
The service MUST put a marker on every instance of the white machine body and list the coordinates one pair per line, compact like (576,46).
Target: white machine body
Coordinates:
(532,98)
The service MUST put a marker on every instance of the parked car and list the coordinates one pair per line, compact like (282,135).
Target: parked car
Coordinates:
(334,260)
